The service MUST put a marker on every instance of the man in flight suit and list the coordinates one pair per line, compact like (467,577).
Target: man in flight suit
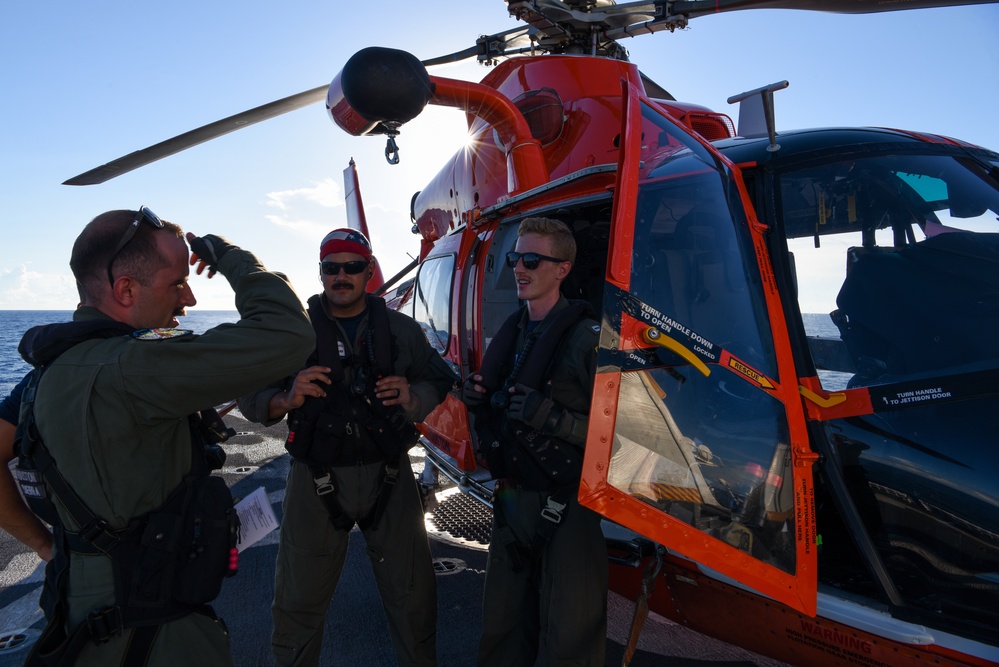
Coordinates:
(350,419)
(546,577)
(113,412)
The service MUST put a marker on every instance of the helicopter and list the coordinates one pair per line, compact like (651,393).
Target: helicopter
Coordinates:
(791,434)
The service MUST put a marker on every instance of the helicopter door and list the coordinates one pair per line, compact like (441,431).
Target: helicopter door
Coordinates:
(690,425)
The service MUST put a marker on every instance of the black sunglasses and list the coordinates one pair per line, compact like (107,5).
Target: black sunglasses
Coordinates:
(143,214)
(351,268)
(531,259)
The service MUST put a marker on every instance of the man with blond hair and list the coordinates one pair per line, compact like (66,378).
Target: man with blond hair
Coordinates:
(546,578)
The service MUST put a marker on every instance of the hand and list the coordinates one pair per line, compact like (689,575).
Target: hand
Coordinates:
(42,544)
(394,390)
(45,552)
(473,394)
(206,251)
(529,406)
(308,382)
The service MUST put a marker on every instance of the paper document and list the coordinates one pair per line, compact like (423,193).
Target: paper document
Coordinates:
(256,518)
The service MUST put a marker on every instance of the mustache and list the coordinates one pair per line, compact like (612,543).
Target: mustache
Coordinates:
(342,284)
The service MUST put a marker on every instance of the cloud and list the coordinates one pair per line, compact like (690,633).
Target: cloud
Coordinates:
(324,193)
(312,211)
(23,289)
(307,210)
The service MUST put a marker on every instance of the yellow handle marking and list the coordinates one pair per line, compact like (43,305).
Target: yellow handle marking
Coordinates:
(821,401)
(655,337)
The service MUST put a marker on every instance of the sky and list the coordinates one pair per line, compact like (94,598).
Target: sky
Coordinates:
(85,83)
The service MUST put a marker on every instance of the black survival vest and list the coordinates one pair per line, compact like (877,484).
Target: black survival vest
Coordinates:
(350,426)
(167,563)
(512,449)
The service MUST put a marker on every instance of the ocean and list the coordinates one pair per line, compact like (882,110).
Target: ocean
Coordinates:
(13,324)
(819,324)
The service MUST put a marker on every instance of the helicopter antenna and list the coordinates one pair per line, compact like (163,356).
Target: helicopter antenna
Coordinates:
(756,113)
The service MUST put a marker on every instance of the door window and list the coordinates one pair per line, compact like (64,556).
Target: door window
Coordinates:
(689,425)
(432,301)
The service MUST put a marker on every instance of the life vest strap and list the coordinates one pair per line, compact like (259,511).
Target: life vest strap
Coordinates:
(327,492)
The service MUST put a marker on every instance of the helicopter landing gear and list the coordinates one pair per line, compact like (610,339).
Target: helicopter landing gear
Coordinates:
(427,484)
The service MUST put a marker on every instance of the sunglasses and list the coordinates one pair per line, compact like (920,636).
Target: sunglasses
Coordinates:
(143,214)
(531,259)
(351,268)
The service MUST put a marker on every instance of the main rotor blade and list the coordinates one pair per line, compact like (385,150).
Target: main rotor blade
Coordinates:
(489,47)
(677,13)
(184,141)
(692,8)
(453,57)
(486,47)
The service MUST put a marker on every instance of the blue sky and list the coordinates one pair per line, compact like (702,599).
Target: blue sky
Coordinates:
(84,83)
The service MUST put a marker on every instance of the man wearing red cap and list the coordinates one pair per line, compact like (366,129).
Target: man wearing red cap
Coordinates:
(350,420)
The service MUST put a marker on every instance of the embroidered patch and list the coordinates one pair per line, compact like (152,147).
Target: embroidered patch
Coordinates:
(340,348)
(161,334)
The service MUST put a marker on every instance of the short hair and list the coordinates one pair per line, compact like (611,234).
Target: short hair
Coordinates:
(139,258)
(563,242)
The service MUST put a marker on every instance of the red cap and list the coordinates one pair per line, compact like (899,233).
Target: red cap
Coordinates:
(345,240)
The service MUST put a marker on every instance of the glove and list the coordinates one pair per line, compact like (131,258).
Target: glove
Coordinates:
(532,408)
(209,249)
(469,395)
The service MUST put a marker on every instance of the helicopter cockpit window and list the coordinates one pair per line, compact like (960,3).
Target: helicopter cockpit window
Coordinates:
(697,435)
(661,141)
(890,254)
(897,261)
(432,300)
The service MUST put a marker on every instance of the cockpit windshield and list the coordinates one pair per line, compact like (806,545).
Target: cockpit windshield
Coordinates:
(894,255)
(891,200)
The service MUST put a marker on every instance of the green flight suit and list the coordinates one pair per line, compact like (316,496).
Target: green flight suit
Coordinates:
(113,413)
(555,606)
(312,552)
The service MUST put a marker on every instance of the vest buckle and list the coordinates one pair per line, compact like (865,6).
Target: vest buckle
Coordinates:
(324,485)
(391,475)
(553,511)
(104,624)
(98,534)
